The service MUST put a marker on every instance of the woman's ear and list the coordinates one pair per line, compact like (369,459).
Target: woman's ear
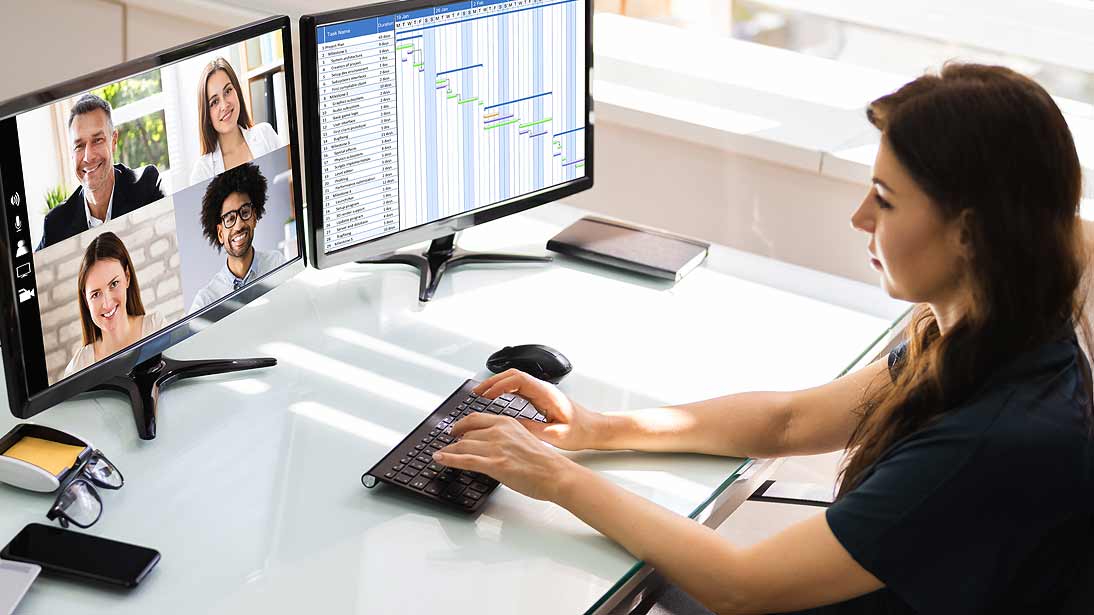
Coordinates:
(963,236)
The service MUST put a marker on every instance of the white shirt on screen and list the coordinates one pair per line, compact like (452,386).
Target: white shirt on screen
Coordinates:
(85,356)
(224,281)
(261,140)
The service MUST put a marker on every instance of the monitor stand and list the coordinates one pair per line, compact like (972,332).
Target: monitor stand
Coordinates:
(443,254)
(144,382)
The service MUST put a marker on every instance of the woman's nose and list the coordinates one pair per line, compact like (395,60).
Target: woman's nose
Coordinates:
(861,219)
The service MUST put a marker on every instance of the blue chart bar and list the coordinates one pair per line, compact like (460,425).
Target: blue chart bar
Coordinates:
(456,70)
(489,100)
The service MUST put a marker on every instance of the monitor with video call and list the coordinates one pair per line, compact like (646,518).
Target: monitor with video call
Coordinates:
(141,203)
(424,118)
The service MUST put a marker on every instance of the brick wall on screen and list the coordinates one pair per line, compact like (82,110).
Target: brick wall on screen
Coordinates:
(149,235)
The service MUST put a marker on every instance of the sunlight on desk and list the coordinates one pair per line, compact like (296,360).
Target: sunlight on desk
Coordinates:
(347,423)
(355,377)
(379,346)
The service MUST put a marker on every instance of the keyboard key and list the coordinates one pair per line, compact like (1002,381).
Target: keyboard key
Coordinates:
(474,495)
(436,467)
(468,503)
(507,397)
(434,433)
(539,417)
(390,474)
(432,450)
(445,438)
(510,412)
(501,402)
(495,409)
(424,458)
(435,488)
(419,446)
(427,473)
(479,486)
(404,478)
(406,459)
(419,483)
(528,412)
(464,479)
(518,404)
(461,406)
(477,407)
(417,465)
(454,490)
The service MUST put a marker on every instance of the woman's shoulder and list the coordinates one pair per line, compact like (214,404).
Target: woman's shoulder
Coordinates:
(84,357)
(265,135)
(152,322)
(204,168)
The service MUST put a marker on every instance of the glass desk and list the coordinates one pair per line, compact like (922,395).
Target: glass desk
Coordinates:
(252,489)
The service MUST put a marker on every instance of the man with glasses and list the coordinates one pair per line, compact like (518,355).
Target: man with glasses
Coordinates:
(233,204)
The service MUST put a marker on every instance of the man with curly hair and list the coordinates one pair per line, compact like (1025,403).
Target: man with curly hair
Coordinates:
(233,204)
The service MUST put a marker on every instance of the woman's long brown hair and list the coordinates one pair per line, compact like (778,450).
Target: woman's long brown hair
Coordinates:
(104,247)
(208,133)
(988,144)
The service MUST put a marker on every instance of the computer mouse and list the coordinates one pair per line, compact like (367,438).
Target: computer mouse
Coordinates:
(537,360)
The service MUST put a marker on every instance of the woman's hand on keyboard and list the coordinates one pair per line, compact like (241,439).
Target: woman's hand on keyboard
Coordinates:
(501,448)
(569,426)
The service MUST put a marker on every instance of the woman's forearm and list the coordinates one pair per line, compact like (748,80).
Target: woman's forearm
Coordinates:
(740,425)
(690,554)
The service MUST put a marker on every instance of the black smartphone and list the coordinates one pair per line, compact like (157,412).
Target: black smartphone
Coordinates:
(80,555)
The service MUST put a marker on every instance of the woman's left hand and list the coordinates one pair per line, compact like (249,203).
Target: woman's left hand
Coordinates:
(501,448)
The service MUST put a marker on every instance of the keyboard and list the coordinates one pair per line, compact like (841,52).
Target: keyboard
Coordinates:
(410,465)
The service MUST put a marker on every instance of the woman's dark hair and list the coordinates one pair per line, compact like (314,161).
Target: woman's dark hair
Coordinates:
(990,146)
(106,247)
(208,134)
(245,178)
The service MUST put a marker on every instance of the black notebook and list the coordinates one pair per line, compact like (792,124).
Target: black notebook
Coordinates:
(634,248)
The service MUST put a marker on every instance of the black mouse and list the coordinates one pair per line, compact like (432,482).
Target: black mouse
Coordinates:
(537,360)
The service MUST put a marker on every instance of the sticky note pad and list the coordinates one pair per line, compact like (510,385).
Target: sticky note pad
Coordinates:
(53,457)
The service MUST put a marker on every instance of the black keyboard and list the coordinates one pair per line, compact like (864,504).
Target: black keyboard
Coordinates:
(410,465)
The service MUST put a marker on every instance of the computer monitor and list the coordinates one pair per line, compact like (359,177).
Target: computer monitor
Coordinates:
(423,118)
(142,203)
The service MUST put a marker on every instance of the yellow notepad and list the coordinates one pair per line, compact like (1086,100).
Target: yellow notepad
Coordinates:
(53,457)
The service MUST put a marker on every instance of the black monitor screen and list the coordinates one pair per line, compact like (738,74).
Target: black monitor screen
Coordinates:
(143,200)
(430,113)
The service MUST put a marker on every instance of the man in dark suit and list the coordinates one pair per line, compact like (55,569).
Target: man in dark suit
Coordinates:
(107,190)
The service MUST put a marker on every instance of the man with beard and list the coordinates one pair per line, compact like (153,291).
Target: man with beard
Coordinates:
(107,190)
(233,204)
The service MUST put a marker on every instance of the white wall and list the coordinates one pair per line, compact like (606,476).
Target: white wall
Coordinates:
(772,210)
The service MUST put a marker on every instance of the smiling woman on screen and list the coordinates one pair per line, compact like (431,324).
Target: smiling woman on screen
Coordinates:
(228,137)
(112,314)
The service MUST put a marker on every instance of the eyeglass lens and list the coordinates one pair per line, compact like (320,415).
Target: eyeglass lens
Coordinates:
(79,504)
(244,212)
(103,473)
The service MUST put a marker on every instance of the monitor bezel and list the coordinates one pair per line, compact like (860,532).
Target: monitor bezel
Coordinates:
(25,404)
(431,230)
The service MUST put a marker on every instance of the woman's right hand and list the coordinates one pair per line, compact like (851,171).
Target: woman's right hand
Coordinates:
(569,426)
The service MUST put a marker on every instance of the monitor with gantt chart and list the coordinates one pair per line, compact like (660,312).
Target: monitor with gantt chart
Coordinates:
(140,204)
(425,118)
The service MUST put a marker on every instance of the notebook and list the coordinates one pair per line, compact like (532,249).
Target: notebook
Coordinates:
(634,248)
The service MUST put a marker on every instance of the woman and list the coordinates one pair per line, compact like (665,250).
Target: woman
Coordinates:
(967,486)
(112,314)
(228,138)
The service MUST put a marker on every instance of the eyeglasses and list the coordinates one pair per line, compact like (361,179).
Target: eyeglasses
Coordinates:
(245,211)
(79,502)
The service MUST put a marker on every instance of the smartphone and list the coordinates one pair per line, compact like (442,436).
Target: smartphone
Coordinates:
(80,555)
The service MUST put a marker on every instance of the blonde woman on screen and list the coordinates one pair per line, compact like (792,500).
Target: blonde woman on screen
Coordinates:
(228,137)
(112,315)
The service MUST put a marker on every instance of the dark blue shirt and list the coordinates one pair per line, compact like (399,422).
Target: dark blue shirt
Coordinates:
(986,510)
